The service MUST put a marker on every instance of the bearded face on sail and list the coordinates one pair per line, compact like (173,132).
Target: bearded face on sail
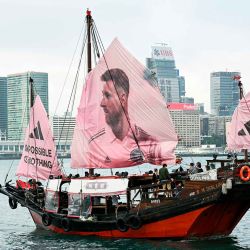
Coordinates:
(119,116)
(115,101)
(111,104)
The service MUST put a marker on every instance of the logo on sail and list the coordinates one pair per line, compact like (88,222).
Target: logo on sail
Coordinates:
(136,155)
(107,160)
(37,132)
(242,132)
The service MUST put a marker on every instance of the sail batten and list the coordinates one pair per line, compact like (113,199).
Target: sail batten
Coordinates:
(117,105)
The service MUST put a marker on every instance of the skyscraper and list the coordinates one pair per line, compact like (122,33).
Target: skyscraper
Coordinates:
(18,88)
(3,108)
(63,127)
(172,86)
(186,119)
(224,93)
(186,99)
(182,90)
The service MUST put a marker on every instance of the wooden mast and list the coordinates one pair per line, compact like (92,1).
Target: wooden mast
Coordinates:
(241,96)
(32,97)
(89,53)
(89,23)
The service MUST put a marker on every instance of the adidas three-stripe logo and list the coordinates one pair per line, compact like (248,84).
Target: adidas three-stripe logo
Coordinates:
(37,133)
(242,132)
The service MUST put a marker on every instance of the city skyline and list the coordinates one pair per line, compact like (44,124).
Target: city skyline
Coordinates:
(205,37)
(18,99)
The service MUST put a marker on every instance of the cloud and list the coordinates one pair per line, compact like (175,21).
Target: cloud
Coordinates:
(205,36)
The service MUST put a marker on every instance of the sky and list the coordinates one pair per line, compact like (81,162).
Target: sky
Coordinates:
(205,35)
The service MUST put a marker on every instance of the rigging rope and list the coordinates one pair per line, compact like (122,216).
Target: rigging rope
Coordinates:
(126,115)
(72,95)
(20,134)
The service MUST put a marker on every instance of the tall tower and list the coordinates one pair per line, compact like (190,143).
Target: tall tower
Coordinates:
(224,93)
(19,100)
(3,108)
(162,62)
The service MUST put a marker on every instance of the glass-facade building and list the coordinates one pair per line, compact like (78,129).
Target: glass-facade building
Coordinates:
(186,99)
(182,90)
(3,108)
(18,89)
(162,63)
(224,93)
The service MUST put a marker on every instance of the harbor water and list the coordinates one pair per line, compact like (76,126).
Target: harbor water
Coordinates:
(17,230)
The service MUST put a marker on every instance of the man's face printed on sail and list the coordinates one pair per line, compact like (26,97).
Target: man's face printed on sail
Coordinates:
(111,104)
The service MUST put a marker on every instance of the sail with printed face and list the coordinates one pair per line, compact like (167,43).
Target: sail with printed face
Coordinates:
(238,131)
(122,119)
(39,159)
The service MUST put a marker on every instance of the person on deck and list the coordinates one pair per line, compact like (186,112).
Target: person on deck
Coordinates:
(163,173)
(155,176)
(179,169)
(192,169)
(199,168)
(163,177)
(155,180)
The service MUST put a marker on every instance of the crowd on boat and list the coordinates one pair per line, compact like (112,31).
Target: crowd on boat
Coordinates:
(56,197)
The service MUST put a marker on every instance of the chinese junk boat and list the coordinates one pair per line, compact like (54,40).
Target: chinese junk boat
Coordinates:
(122,122)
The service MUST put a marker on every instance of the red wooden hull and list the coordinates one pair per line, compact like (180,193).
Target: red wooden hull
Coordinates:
(212,220)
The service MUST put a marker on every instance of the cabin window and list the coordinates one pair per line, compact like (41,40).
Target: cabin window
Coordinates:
(74,204)
(79,205)
(65,187)
(51,201)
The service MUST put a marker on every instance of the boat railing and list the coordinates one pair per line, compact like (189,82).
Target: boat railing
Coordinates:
(154,193)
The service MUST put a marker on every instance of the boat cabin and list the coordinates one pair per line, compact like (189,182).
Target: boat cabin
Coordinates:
(86,196)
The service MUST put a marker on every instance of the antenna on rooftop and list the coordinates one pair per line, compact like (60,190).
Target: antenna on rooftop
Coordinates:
(162,44)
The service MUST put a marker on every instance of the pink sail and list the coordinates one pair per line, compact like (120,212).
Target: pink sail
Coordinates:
(238,131)
(39,158)
(122,119)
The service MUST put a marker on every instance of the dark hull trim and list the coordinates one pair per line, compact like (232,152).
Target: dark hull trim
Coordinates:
(196,224)
(206,214)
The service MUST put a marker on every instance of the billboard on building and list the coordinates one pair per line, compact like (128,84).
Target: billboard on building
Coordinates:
(162,52)
(181,106)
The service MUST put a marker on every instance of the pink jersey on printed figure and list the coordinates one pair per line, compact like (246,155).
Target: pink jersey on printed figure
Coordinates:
(122,119)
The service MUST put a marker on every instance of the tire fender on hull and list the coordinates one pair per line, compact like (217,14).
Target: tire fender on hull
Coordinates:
(134,221)
(12,203)
(46,219)
(66,224)
(121,225)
